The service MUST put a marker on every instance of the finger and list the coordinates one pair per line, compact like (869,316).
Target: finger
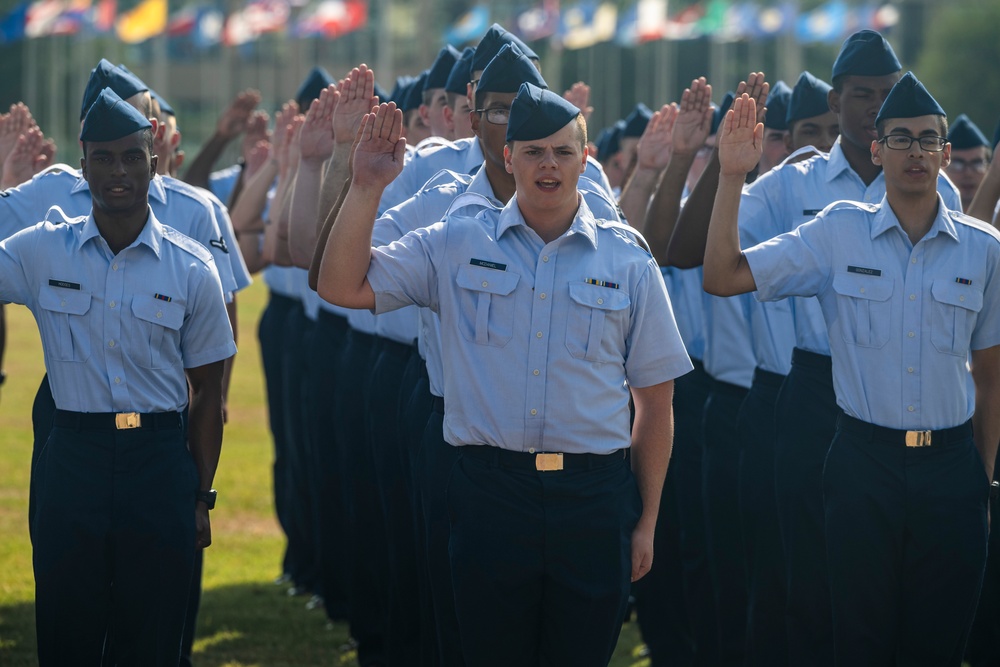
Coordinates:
(368,84)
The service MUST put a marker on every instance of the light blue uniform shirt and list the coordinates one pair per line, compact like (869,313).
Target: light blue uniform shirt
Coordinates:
(538,357)
(223,182)
(794,193)
(60,185)
(728,353)
(452,193)
(902,319)
(687,297)
(118,330)
(229,244)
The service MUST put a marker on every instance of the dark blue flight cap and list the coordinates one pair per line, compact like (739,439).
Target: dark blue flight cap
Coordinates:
(491,43)
(809,99)
(908,99)
(538,113)
(461,73)
(506,72)
(400,90)
(866,53)
(636,122)
(110,117)
(777,106)
(164,107)
(719,112)
(437,76)
(609,140)
(966,134)
(314,83)
(381,94)
(105,75)
(414,93)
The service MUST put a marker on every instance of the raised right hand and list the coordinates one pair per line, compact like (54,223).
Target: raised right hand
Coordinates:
(378,152)
(740,138)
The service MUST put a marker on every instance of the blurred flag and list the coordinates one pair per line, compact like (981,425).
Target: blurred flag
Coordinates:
(332,18)
(259,17)
(101,18)
(684,24)
(182,22)
(646,21)
(201,24)
(12,25)
(538,22)
(41,17)
(148,19)
(826,23)
(470,27)
(739,22)
(714,18)
(587,24)
(776,19)
(72,19)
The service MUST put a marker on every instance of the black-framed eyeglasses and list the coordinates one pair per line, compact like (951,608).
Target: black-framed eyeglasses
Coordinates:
(978,165)
(902,142)
(497,116)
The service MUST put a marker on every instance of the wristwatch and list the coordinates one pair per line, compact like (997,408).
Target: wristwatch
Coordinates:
(3,378)
(207,497)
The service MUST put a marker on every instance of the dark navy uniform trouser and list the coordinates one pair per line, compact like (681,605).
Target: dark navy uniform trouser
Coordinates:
(367,559)
(983,649)
(906,537)
(720,470)
(331,498)
(805,421)
(113,537)
(540,561)
(766,644)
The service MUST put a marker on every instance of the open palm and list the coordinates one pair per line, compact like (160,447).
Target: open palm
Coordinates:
(740,137)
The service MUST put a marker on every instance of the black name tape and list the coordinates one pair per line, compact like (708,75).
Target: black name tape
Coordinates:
(812,211)
(486,264)
(64,284)
(864,271)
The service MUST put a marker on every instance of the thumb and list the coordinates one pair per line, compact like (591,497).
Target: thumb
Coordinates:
(399,150)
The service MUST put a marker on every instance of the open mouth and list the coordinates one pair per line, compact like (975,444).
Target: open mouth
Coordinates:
(547,184)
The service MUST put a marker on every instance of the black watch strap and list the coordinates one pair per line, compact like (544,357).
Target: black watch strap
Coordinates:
(207,497)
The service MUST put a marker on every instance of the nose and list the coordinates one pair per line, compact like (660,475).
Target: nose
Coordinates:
(118,167)
(548,158)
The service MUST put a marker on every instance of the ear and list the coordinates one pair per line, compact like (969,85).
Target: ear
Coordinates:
(178,161)
(449,118)
(176,139)
(876,153)
(946,156)
(425,113)
(153,160)
(833,101)
(476,121)
(508,165)
(583,162)
(83,166)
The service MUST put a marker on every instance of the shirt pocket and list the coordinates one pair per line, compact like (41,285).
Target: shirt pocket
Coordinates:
(954,310)
(486,304)
(597,324)
(865,307)
(156,327)
(67,310)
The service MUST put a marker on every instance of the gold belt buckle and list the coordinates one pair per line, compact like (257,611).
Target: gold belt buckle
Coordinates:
(127,420)
(548,462)
(918,438)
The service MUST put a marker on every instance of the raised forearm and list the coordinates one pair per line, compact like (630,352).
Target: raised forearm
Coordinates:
(324,234)
(344,268)
(635,196)
(200,168)
(687,245)
(725,269)
(664,209)
(304,204)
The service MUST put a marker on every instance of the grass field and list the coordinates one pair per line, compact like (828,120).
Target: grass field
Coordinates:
(245,620)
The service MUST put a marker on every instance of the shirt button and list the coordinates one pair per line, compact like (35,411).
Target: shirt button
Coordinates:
(910,408)
(910,369)
(961,297)
(913,297)
(531,450)
(862,290)
(911,334)
(63,302)
(114,267)
(913,261)
(542,295)
(545,258)
(534,412)
(118,380)
(111,305)
(111,343)
(534,372)
(538,335)
(159,314)
(485,283)
(600,301)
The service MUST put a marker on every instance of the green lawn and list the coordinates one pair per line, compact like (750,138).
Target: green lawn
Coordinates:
(245,620)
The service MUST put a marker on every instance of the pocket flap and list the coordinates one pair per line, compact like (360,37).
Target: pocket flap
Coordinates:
(62,300)
(163,313)
(957,294)
(860,286)
(595,296)
(481,279)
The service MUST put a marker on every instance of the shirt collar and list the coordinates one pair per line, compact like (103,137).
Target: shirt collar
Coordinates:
(837,163)
(156,190)
(480,185)
(885,219)
(150,236)
(583,223)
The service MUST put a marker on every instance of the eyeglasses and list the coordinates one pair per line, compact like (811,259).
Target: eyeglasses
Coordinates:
(497,116)
(902,142)
(978,165)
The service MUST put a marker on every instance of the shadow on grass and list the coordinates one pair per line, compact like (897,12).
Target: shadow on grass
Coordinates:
(238,626)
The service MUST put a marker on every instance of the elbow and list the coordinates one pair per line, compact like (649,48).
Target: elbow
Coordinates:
(716,285)
(678,259)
